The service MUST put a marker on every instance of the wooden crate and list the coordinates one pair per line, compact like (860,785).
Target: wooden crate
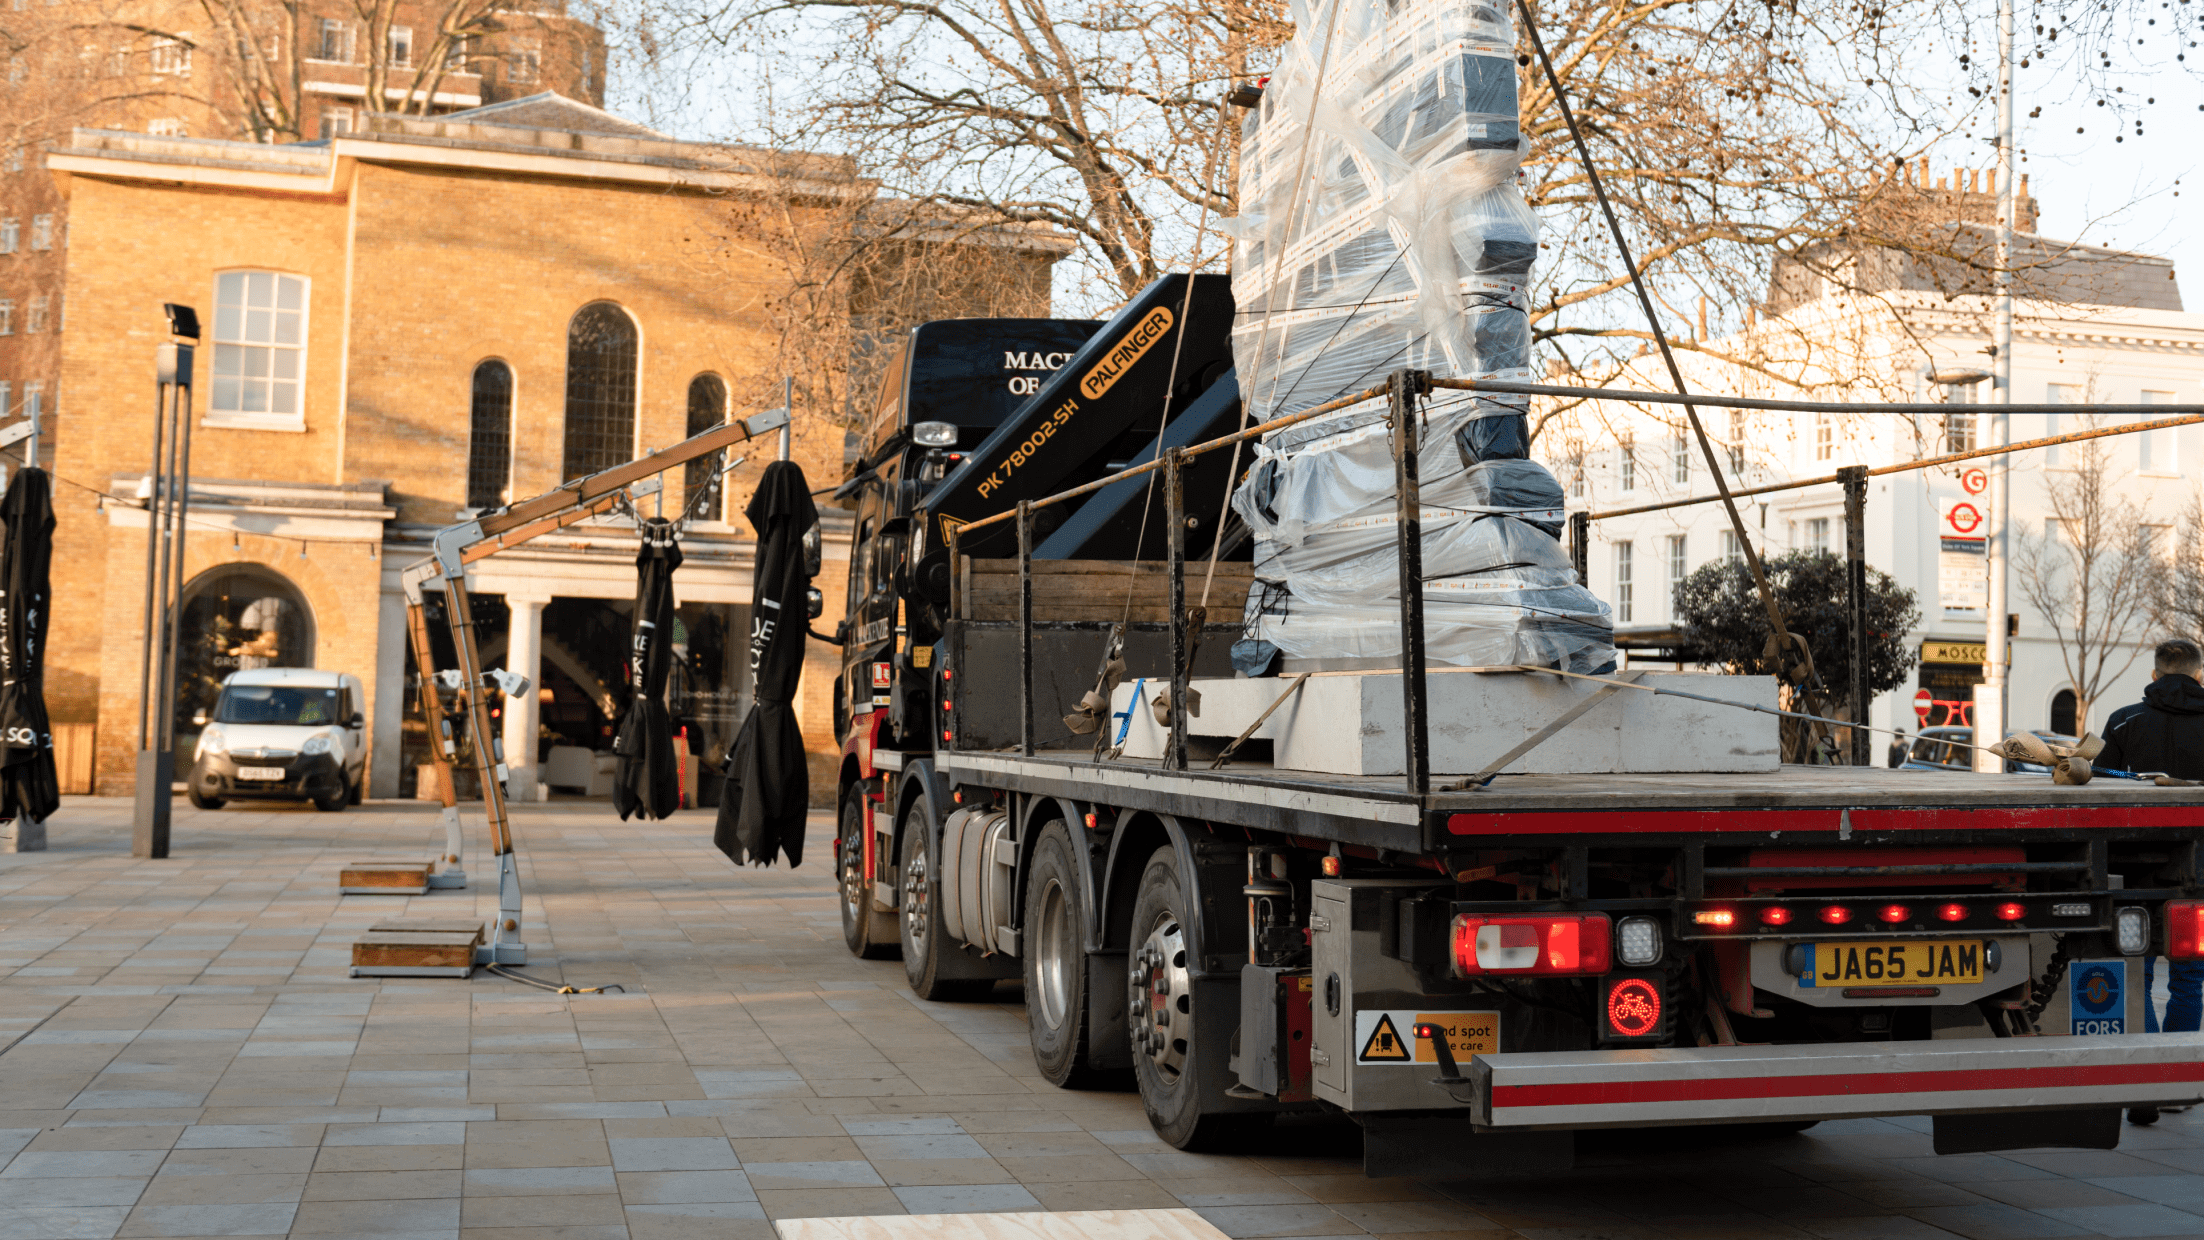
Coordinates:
(413,955)
(384,878)
(1097,590)
(418,947)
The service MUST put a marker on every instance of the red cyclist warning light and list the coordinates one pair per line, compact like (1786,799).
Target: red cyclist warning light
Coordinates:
(1633,1008)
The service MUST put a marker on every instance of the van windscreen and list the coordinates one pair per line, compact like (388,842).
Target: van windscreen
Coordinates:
(305,706)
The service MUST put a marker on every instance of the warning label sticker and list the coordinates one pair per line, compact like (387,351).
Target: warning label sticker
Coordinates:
(1384,1043)
(1388,1036)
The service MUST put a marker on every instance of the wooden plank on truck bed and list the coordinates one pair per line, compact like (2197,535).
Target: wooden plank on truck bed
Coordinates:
(1097,589)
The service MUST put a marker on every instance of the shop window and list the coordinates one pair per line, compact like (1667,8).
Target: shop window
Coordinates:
(490,436)
(707,409)
(600,389)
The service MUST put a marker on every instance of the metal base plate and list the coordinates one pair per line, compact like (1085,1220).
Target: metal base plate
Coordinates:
(501,953)
(448,878)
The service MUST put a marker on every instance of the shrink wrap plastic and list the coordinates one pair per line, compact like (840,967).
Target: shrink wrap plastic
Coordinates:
(1411,249)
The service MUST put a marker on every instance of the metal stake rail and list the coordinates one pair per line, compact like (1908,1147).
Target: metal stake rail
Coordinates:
(1402,390)
(455,547)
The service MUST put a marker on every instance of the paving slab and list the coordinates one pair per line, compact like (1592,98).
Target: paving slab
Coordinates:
(198,1063)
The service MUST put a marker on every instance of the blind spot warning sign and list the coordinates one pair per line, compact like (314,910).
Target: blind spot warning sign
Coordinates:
(1384,1044)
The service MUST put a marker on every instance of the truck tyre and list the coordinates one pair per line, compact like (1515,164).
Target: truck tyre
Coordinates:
(1056,961)
(924,938)
(1161,1015)
(868,935)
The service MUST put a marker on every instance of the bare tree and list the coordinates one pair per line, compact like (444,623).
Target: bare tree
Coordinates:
(2177,580)
(2089,572)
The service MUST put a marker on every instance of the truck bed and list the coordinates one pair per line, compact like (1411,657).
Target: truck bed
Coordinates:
(1793,803)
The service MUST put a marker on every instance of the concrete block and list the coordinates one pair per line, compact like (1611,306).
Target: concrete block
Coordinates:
(1350,723)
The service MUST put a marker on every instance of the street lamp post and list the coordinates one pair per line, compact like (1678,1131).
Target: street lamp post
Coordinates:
(166,508)
(1990,695)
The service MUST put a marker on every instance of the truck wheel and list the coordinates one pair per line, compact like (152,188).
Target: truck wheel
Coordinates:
(1161,1016)
(923,936)
(1056,961)
(333,800)
(867,935)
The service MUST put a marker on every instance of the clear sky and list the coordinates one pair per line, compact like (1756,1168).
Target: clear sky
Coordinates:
(2123,194)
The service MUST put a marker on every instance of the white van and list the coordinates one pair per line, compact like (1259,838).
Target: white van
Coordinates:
(282,734)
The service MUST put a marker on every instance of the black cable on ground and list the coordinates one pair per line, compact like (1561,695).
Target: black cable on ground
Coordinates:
(509,975)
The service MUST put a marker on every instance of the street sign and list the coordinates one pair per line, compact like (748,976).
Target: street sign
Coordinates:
(1922,705)
(1963,576)
(1975,481)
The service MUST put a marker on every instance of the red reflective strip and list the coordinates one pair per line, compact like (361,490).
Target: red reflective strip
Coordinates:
(1623,1093)
(1762,821)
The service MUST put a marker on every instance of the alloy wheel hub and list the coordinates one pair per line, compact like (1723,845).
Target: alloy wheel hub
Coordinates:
(1162,999)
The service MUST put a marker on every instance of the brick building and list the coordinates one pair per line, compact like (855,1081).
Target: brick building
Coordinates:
(181,69)
(404,324)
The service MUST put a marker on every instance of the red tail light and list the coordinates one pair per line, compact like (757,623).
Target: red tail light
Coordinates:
(1894,913)
(1720,918)
(1560,943)
(1775,915)
(1953,912)
(1836,914)
(2185,930)
(2010,911)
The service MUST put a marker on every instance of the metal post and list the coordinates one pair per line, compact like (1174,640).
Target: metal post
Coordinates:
(1580,546)
(156,768)
(1174,520)
(1025,627)
(788,404)
(180,507)
(1406,386)
(1989,696)
(1854,481)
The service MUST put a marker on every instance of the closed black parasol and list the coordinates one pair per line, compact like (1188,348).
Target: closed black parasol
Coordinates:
(648,781)
(761,813)
(28,787)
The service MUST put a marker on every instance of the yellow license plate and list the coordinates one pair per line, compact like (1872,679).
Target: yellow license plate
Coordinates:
(1906,962)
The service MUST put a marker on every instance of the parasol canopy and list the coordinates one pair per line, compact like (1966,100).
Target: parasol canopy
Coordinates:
(28,786)
(648,779)
(768,791)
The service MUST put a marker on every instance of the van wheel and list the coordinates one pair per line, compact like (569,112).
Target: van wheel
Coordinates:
(359,789)
(1166,1060)
(333,800)
(1056,962)
(924,938)
(868,936)
(200,800)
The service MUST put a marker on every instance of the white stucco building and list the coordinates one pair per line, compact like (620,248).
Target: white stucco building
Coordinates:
(2099,327)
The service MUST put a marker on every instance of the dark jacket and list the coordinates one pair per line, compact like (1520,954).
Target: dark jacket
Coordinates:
(2163,733)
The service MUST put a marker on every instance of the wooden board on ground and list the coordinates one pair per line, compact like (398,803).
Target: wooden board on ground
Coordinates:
(414,955)
(1054,1225)
(385,878)
(1097,589)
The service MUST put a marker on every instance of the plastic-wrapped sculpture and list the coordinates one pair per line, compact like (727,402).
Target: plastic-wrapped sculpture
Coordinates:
(1411,247)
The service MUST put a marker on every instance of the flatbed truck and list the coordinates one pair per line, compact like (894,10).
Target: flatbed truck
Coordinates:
(1471,975)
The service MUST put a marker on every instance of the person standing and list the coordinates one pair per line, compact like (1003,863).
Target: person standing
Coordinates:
(2164,733)
(1899,745)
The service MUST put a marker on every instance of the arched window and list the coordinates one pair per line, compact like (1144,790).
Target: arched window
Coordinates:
(600,389)
(707,409)
(236,617)
(490,436)
(2062,713)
